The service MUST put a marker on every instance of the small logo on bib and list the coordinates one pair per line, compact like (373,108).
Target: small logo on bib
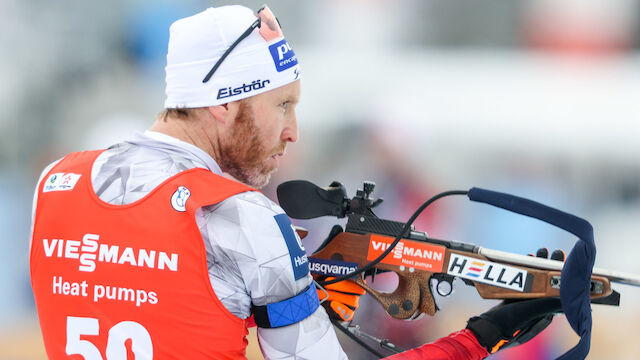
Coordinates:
(179,198)
(61,182)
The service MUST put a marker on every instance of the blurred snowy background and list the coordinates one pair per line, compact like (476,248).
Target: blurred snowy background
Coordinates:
(540,98)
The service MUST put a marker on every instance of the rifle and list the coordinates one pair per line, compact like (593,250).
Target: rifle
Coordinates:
(370,244)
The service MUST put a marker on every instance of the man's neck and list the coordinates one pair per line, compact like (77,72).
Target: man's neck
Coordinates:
(192,132)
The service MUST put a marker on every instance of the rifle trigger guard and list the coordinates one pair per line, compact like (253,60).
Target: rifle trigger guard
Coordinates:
(443,284)
(321,288)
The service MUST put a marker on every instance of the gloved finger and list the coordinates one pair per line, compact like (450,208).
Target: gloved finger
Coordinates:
(542,253)
(322,295)
(340,310)
(346,299)
(559,255)
(345,286)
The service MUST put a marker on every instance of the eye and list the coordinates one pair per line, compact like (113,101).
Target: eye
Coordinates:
(284,104)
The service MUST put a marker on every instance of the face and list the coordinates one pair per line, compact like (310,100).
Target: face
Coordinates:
(264,124)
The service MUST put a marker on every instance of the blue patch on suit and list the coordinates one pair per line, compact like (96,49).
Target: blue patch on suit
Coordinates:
(298,255)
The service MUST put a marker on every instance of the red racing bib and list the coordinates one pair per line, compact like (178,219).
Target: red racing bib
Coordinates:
(111,282)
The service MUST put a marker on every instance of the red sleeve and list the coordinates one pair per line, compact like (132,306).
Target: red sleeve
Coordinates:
(460,345)
(250,321)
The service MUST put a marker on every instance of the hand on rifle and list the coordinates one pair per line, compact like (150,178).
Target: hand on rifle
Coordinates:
(514,322)
(340,299)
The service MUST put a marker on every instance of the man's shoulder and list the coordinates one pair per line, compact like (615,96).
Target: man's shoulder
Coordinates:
(255,200)
(247,208)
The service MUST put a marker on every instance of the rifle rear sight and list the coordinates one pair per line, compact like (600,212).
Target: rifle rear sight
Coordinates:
(362,203)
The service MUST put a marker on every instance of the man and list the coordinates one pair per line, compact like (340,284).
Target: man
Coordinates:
(150,249)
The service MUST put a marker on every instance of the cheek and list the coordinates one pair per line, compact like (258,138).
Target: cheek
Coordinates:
(273,127)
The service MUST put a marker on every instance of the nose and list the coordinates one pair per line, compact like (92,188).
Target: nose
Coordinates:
(290,131)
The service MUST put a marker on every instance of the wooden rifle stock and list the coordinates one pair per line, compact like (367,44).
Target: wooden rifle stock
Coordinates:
(413,296)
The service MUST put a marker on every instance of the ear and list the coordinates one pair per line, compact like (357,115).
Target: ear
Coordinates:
(224,113)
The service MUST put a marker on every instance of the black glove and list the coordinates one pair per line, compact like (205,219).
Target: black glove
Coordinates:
(514,322)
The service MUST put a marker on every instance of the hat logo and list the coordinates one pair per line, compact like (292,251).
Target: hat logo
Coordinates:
(283,55)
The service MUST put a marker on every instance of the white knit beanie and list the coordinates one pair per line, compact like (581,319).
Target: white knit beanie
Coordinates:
(254,66)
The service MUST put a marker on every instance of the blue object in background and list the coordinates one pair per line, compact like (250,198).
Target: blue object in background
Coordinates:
(147,33)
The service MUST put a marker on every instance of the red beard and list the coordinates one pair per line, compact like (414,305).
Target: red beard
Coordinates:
(244,155)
